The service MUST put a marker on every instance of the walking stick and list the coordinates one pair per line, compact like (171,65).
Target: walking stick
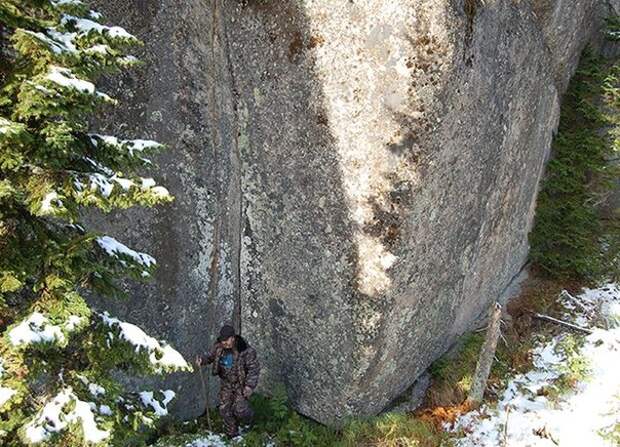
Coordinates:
(205,394)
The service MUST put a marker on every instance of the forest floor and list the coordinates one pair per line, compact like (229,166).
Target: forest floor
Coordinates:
(549,386)
(571,396)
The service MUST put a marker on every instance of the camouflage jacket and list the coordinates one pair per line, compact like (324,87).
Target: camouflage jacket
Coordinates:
(246,368)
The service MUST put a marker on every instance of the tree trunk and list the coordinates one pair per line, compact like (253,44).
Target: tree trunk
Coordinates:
(485,360)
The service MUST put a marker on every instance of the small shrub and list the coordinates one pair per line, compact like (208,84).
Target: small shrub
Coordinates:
(573,370)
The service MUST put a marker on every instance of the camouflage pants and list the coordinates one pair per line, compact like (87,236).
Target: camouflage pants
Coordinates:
(234,408)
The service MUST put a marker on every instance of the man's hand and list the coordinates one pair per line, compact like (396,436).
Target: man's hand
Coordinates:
(199,360)
(247,392)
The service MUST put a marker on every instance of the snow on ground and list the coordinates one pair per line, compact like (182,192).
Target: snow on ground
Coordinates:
(522,418)
(208,439)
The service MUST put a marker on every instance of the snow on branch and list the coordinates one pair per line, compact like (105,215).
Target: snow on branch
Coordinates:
(5,393)
(51,204)
(64,77)
(160,408)
(64,409)
(114,248)
(58,3)
(37,328)
(10,128)
(86,26)
(130,146)
(56,42)
(61,42)
(161,356)
(104,184)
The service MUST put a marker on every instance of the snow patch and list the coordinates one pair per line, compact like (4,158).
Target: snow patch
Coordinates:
(53,418)
(160,191)
(114,248)
(65,78)
(160,408)
(524,418)
(86,26)
(67,2)
(7,126)
(73,322)
(160,355)
(101,49)
(210,439)
(38,329)
(96,390)
(50,203)
(5,395)
(35,329)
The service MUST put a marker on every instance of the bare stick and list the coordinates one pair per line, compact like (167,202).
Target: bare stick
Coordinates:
(205,393)
(563,323)
(485,360)
(574,300)
(505,440)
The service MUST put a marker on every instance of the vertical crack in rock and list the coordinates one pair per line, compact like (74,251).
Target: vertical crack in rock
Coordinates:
(223,107)
(214,267)
(235,197)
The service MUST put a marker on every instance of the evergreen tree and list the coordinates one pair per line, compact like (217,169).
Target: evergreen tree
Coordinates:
(57,355)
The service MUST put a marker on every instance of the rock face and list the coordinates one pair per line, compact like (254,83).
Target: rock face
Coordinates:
(354,180)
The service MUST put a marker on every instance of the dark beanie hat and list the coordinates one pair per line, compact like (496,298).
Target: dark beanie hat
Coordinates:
(227,331)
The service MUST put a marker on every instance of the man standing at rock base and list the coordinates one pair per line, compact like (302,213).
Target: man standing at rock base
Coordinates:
(235,362)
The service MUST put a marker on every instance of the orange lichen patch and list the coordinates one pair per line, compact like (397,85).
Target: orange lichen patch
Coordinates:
(439,416)
(444,395)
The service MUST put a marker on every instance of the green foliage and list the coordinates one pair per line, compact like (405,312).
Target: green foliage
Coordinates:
(571,237)
(611,433)
(276,422)
(574,369)
(278,425)
(55,352)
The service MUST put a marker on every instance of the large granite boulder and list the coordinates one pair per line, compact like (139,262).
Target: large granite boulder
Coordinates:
(354,180)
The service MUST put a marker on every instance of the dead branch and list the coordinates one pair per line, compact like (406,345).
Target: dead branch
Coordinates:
(563,323)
